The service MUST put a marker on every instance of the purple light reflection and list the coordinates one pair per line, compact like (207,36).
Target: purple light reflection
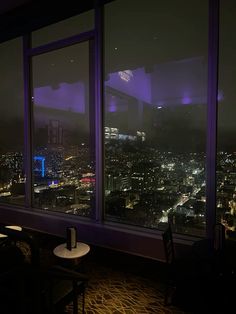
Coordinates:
(112,104)
(186,100)
(174,83)
(220,96)
(181,82)
(137,83)
(69,97)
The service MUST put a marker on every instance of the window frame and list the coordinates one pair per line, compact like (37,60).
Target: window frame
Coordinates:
(29,53)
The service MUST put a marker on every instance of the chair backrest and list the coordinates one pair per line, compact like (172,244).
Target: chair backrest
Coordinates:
(23,238)
(219,237)
(168,245)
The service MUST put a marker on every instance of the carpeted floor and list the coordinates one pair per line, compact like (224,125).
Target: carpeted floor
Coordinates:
(118,289)
(118,283)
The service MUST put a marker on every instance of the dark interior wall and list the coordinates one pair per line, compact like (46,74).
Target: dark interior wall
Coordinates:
(117,238)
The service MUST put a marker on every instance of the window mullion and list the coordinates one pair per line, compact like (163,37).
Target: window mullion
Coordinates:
(213,53)
(27,123)
(99,112)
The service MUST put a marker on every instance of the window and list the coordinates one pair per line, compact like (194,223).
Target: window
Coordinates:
(155,99)
(12,177)
(63,154)
(155,113)
(226,166)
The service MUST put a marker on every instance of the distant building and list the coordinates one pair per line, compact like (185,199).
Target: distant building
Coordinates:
(114,134)
(55,133)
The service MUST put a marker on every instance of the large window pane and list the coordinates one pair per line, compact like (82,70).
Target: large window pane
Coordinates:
(69,27)
(63,150)
(12,178)
(226,166)
(155,113)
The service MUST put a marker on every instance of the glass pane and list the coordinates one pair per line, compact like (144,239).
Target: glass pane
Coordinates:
(63,151)
(12,178)
(66,28)
(155,113)
(226,166)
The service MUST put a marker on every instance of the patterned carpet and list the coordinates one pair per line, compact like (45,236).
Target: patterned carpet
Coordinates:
(115,291)
(118,283)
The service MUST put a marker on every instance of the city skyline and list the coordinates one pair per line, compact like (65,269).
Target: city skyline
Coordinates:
(144,186)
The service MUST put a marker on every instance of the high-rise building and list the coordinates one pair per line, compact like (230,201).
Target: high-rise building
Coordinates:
(55,133)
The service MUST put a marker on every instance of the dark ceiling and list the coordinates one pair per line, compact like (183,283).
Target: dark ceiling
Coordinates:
(9,5)
(20,16)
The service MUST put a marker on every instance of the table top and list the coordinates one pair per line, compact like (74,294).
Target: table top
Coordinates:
(80,250)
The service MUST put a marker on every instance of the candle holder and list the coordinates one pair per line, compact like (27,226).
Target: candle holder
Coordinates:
(71,238)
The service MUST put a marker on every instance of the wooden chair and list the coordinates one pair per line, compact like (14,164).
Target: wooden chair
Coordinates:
(168,243)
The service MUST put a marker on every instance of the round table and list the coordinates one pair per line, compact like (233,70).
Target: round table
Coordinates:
(80,250)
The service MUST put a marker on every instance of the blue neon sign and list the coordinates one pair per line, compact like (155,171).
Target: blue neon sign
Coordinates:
(42,159)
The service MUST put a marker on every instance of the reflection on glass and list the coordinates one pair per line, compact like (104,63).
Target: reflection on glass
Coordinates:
(226,157)
(155,114)
(63,165)
(66,28)
(12,177)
